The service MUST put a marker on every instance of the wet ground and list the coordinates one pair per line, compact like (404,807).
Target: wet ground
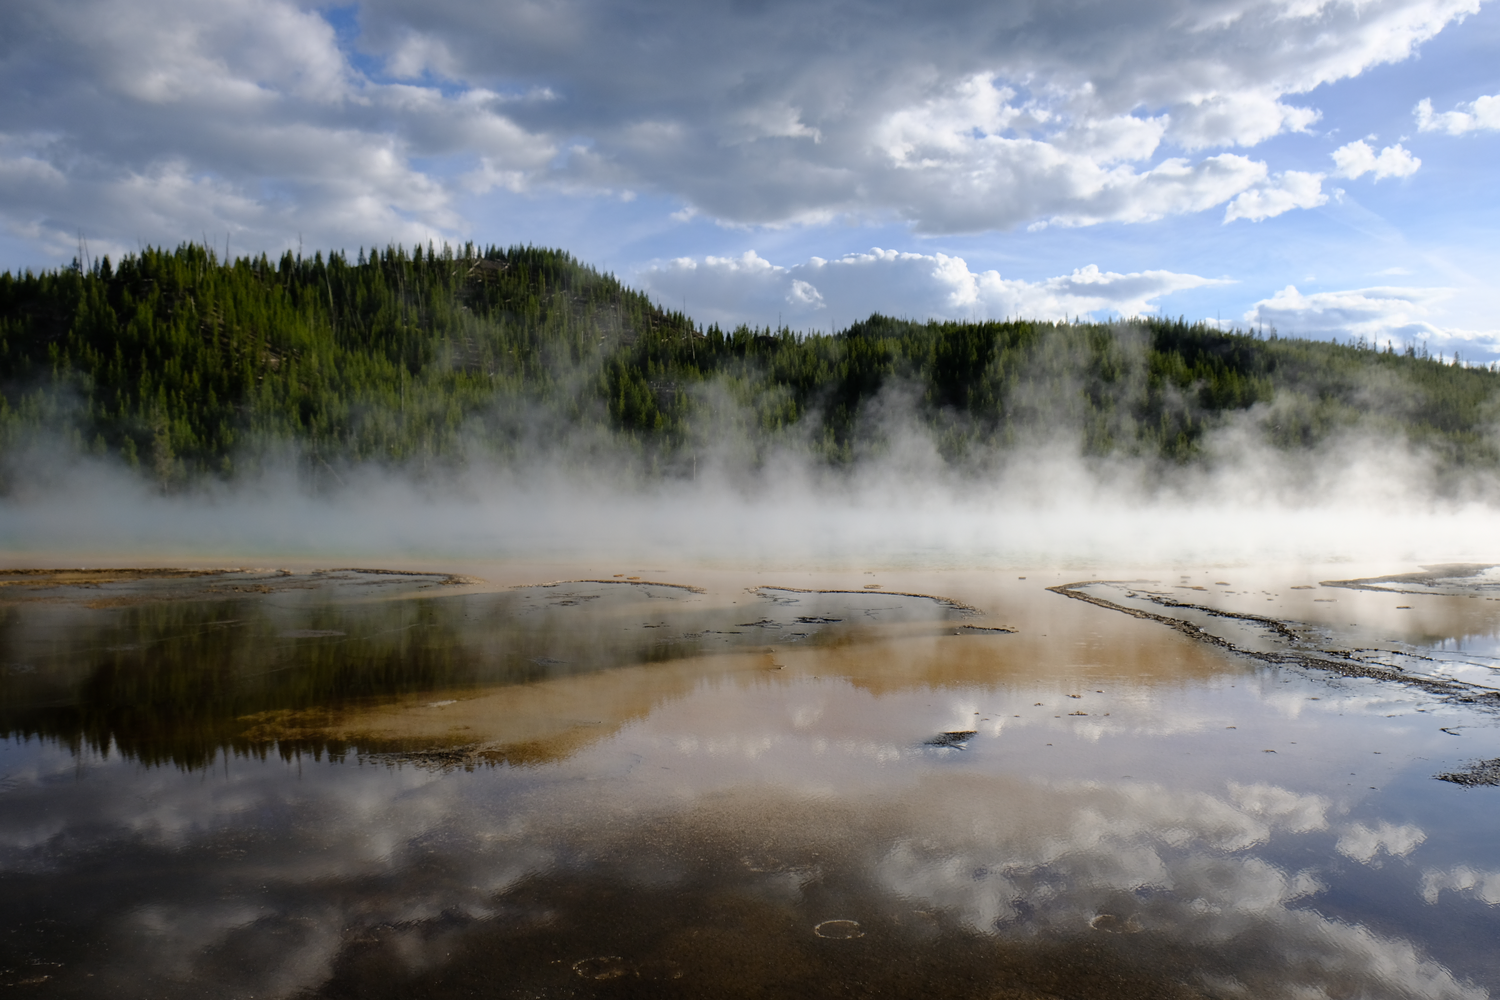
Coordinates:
(703,783)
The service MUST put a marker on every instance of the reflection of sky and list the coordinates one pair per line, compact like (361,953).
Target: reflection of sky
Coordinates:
(1472,658)
(1424,650)
(1160,810)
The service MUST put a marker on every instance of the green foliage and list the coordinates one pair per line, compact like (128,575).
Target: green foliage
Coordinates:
(186,367)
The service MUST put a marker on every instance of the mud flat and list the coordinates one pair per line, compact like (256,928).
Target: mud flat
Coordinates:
(1462,667)
(585,780)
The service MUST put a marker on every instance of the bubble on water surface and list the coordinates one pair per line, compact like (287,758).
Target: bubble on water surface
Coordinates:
(839,930)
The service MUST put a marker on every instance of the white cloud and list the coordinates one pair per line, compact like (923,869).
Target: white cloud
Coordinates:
(1377,314)
(1243,118)
(1402,315)
(1357,158)
(244,117)
(1286,191)
(753,290)
(803,294)
(979,183)
(1480,113)
(986,116)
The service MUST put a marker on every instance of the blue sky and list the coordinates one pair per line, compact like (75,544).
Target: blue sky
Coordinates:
(1251,161)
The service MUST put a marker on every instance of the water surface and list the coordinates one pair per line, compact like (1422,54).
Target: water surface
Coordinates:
(355,783)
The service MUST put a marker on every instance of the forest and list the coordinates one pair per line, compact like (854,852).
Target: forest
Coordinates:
(191,368)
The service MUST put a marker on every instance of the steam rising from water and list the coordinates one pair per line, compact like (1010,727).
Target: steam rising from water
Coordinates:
(1041,509)
(729,496)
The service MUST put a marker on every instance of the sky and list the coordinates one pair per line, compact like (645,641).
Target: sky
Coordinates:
(1326,169)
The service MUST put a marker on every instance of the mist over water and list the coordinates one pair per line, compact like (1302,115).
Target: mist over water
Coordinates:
(1354,498)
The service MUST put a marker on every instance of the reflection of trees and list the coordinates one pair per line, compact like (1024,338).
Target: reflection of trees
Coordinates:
(176,682)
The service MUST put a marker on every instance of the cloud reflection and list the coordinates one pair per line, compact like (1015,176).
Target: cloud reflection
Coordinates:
(305,865)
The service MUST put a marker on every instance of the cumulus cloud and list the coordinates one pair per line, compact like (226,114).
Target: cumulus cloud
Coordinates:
(1480,113)
(753,290)
(244,117)
(1400,314)
(1242,119)
(159,118)
(1289,190)
(1358,158)
(990,116)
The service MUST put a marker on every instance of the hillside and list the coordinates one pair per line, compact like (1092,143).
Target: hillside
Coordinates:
(185,366)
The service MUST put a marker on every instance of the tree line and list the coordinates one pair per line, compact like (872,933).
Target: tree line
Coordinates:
(189,367)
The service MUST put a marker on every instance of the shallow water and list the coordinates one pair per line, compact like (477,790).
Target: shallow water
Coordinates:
(707,784)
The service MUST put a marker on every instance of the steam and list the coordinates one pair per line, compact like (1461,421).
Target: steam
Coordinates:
(731,495)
